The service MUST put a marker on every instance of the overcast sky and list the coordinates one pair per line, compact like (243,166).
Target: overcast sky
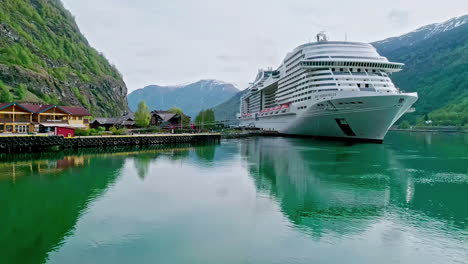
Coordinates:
(179,41)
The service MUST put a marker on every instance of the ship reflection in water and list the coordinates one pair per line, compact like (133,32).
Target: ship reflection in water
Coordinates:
(257,200)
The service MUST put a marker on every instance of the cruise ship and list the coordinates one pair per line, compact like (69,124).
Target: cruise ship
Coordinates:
(333,89)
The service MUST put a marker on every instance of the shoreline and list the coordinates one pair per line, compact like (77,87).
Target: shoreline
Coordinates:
(25,144)
(429,130)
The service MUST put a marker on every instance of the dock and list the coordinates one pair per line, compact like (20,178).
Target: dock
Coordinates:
(23,144)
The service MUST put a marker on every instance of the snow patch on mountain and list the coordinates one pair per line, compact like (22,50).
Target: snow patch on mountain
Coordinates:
(445,26)
(420,34)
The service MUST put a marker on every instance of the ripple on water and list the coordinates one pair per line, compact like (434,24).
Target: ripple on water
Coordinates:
(443,177)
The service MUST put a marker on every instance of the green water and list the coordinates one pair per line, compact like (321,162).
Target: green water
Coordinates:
(257,200)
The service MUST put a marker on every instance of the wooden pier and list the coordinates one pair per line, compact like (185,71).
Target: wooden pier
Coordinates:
(21,144)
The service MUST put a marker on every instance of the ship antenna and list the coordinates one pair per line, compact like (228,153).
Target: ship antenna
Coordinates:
(346,36)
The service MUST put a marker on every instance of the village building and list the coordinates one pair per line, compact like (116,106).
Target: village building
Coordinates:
(165,119)
(28,118)
(126,121)
(159,118)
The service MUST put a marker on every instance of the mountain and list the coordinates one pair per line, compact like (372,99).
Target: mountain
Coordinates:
(436,66)
(228,109)
(45,58)
(191,98)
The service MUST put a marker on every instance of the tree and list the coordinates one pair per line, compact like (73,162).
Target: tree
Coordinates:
(5,95)
(185,118)
(22,90)
(205,119)
(404,125)
(142,115)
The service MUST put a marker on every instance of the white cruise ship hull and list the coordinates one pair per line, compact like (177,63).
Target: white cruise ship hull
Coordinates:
(358,118)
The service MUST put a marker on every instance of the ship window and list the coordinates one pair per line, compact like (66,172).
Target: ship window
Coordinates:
(333,69)
(360,103)
(367,85)
(341,69)
(359,70)
(358,85)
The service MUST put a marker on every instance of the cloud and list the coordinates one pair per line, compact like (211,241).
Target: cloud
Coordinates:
(399,17)
(168,42)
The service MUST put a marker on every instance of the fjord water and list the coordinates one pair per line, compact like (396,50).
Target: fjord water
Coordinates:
(257,200)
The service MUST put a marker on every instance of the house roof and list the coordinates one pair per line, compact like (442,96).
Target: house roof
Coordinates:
(164,115)
(114,121)
(4,105)
(106,121)
(39,108)
(35,108)
(74,110)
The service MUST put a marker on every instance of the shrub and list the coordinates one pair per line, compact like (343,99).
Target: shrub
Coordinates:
(117,132)
(404,125)
(81,132)
(5,95)
(22,91)
(93,132)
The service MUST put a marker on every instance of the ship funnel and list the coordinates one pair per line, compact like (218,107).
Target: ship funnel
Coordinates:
(321,36)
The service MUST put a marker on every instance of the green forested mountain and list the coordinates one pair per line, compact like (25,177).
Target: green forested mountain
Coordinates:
(228,109)
(45,58)
(436,66)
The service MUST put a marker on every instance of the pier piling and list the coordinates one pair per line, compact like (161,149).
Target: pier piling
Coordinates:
(22,144)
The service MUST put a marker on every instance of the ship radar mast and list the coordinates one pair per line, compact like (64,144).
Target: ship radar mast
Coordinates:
(321,36)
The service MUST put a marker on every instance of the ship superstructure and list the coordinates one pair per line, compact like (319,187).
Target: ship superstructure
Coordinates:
(327,88)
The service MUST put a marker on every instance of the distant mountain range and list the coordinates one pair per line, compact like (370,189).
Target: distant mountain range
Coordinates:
(191,98)
(436,66)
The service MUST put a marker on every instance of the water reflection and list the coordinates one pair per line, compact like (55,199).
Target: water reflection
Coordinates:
(206,152)
(44,200)
(43,195)
(326,187)
(259,200)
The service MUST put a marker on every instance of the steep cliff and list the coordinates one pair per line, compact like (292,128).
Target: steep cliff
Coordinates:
(45,58)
